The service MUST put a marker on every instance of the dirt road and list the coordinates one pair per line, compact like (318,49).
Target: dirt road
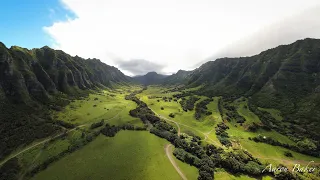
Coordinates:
(168,149)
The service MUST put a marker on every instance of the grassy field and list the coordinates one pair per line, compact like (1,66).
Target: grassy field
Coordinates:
(107,105)
(110,106)
(187,118)
(129,155)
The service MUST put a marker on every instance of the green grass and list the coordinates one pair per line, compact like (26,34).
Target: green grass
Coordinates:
(243,110)
(129,155)
(108,105)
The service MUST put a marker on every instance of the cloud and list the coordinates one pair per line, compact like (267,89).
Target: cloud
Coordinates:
(303,25)
(140,66)
(175,34)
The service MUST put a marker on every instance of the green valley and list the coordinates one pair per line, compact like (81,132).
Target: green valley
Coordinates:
(65,117)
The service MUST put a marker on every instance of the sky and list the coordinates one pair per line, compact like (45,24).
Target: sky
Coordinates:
(138,36)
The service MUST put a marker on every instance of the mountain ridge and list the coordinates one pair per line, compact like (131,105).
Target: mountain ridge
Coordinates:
(37,73)
(150,78)
(286,78)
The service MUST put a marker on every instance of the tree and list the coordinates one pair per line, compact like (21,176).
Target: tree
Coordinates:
(306,145)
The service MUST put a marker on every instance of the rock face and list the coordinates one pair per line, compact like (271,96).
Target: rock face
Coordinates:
(27,75)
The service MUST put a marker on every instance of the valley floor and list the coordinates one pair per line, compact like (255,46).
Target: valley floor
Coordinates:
(139,154)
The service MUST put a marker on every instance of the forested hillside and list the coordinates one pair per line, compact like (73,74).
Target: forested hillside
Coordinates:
(33,81)
(286,78)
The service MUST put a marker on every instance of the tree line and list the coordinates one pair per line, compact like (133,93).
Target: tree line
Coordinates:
(201,108)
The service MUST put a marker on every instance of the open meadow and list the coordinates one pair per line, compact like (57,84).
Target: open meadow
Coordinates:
(129,155)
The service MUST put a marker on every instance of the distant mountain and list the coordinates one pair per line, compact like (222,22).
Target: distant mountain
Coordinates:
(150,78)
(286,78)
(180,77)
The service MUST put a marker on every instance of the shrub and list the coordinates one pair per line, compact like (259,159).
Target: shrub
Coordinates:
(288,154)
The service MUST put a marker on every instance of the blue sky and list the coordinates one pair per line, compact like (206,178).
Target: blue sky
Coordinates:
(22,21)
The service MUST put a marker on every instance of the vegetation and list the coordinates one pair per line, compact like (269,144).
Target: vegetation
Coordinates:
(201,108)
(188,104)
(10,170)
(222,134)
(110,157)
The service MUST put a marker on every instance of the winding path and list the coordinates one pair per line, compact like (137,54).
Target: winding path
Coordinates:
(168,149)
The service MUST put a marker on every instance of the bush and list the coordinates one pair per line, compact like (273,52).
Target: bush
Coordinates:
(171,115)
(96,125)
(288,154)
(110,131)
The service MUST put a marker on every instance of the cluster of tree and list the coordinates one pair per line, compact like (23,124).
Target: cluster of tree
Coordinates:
(143,112)
(97,124)
(266,118)
(112,130)
(232,114)
(241,161)
(65,124)
(305,146)
(10,170)
(167,99)
(204,163)
(201,108)
(182,95)
(288,154)
(254,127)
(222,135)
(188,104)
(21,125)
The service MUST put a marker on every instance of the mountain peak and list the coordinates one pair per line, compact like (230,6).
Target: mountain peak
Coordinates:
(152,73)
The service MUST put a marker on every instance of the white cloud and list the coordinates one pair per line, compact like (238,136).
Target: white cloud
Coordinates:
(176,34)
